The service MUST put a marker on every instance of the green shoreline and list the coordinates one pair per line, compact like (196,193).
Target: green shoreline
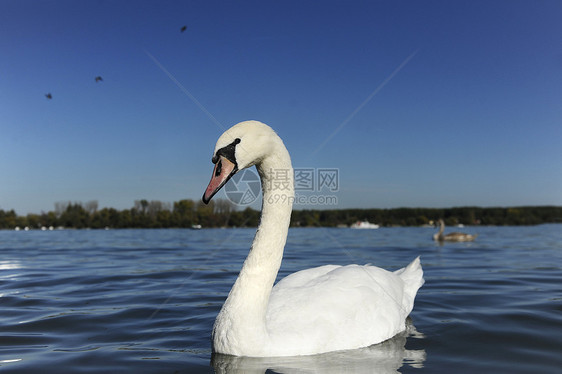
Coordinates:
(221,213)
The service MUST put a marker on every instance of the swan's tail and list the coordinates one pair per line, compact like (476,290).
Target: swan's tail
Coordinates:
(412,275)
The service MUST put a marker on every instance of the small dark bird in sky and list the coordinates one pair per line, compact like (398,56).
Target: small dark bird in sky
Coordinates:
(99,79)
(49,96)
(183,28)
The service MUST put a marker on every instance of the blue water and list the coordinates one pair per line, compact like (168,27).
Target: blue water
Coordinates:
(144,301)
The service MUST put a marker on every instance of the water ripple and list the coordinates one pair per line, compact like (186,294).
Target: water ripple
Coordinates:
(145,300)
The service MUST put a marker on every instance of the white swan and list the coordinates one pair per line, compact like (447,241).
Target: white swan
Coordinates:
(318,310)
(453,236)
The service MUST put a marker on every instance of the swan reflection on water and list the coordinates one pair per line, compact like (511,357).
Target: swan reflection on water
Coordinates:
(386,357)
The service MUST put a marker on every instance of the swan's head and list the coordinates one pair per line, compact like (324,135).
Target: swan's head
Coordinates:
(242,146)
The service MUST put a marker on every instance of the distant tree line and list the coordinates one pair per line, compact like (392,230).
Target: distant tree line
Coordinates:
(144,214)
(222,213)
(513,216)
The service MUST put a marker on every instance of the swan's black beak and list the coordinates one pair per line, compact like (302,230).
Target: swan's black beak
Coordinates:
(223,171)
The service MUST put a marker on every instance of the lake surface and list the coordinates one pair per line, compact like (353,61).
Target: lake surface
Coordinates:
(144,301)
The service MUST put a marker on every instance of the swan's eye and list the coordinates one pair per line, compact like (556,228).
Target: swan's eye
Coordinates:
(218,169)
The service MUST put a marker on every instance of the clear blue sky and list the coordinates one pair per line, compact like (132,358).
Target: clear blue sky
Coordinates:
(430,103)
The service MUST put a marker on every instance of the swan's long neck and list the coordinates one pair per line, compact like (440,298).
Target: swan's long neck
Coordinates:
(242,317)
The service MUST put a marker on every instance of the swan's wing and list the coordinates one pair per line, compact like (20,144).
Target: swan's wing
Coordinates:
(303,278)
(337,307)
